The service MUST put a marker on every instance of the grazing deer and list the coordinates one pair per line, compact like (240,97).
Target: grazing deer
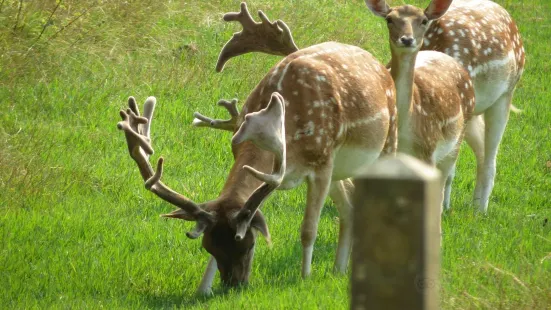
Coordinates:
(321,115)
(434,93)
(483,37)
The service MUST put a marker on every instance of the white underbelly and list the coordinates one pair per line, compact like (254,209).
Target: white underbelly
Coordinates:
(443,149)
(350,162)
(293,177)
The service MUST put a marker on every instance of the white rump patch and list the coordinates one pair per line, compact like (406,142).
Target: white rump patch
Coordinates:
(494,64)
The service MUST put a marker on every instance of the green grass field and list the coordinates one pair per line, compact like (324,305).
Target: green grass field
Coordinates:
(78,229)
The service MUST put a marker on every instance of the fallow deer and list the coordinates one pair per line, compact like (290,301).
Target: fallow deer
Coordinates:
(321,115)
(432,126)
(483,37)
(480,35)
(434,93)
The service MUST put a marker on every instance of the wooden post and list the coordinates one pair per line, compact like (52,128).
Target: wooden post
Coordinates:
(396,242)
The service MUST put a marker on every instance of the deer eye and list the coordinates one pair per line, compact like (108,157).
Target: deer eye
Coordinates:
(425,22)
(388,20)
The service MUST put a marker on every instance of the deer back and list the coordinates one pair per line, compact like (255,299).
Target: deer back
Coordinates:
(335,95)
(482,37)
(443,100)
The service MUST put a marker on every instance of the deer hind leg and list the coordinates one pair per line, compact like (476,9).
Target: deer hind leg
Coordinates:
(496,118)
(474,135)
(447,169)
(339,193)
(318,188)
(205,287)
(448,188)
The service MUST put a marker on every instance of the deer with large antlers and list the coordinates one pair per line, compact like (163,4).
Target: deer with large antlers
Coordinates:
(432,113)
(483,37)
(320,116)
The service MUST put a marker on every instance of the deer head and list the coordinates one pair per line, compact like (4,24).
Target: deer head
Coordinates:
(227,224)
(407,24)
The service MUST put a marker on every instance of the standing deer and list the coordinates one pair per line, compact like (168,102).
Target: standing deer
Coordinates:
(321,115)
(483,37)
(432,111)
(480,35)
(434,93)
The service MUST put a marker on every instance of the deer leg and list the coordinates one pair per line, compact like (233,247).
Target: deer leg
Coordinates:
(474,135)
(447,169)
(205,287)
(318,188)
(339,193)
(448,188)
(496,119)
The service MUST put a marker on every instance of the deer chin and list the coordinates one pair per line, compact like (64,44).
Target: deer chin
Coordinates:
(234,258)
(238,272)
(402,48)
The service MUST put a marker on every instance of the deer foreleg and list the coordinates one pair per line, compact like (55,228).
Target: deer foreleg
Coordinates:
(205,287)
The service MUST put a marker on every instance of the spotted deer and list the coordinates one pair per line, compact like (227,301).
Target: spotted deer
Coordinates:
(321,115)
(483,37)
(432,113)
(434,93)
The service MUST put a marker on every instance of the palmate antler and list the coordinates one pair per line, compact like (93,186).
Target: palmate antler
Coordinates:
(266,129)
(204,121)
(271,38)
(137,130)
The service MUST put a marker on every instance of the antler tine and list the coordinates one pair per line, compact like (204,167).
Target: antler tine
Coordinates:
(204,121)
(231,106)
(267,37)
(243,17)
(148,109)
(139,147)
(266,129)
(133,105)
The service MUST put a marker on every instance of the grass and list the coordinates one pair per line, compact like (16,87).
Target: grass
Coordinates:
(78,230)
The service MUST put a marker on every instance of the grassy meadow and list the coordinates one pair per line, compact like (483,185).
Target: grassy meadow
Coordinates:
(79,230)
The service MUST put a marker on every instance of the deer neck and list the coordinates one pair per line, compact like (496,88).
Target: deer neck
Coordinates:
(402,67)
(240,184)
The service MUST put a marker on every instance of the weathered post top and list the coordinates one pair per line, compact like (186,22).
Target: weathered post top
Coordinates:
(396,239)
(401,166)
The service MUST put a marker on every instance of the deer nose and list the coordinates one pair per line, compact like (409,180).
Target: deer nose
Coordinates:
(407,40)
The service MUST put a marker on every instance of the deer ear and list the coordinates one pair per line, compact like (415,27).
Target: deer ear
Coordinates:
(258,222)
(378,7)
(437,8)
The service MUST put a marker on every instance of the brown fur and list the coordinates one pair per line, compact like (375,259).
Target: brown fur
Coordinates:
(333,94)
(481,36)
